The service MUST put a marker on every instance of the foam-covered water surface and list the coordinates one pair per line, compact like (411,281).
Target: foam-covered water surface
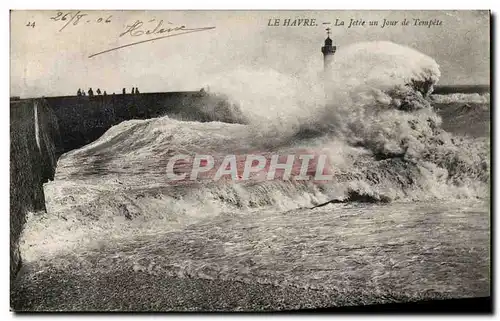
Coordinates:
(420,249)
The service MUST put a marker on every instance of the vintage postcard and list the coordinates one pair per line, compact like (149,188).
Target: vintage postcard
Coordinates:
(249,160)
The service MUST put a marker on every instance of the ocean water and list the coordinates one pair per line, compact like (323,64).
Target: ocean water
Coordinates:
(411,172)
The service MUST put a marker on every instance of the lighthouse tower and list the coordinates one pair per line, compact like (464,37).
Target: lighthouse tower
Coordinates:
(328,51)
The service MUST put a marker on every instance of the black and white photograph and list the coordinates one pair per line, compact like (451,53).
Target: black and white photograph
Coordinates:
(250,160)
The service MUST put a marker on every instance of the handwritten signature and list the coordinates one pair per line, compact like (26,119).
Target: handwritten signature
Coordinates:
(139,29)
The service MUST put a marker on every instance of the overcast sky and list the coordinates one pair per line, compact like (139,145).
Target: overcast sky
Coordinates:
(46,61)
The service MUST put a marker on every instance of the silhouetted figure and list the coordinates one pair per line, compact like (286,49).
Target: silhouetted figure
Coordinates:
(98,91)
(79,92)
(83,93)
(124,91)
(133,90)
(136,90)
(91,92)
(104,93)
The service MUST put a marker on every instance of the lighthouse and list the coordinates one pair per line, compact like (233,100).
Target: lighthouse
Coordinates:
(328,51)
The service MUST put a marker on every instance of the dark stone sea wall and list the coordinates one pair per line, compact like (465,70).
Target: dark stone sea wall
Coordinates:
(84,119)
(32,162)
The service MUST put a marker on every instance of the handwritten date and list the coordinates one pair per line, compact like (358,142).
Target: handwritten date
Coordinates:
(74,18)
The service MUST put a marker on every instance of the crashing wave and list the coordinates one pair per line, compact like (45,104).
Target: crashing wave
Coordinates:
(378,127)
(377,101)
